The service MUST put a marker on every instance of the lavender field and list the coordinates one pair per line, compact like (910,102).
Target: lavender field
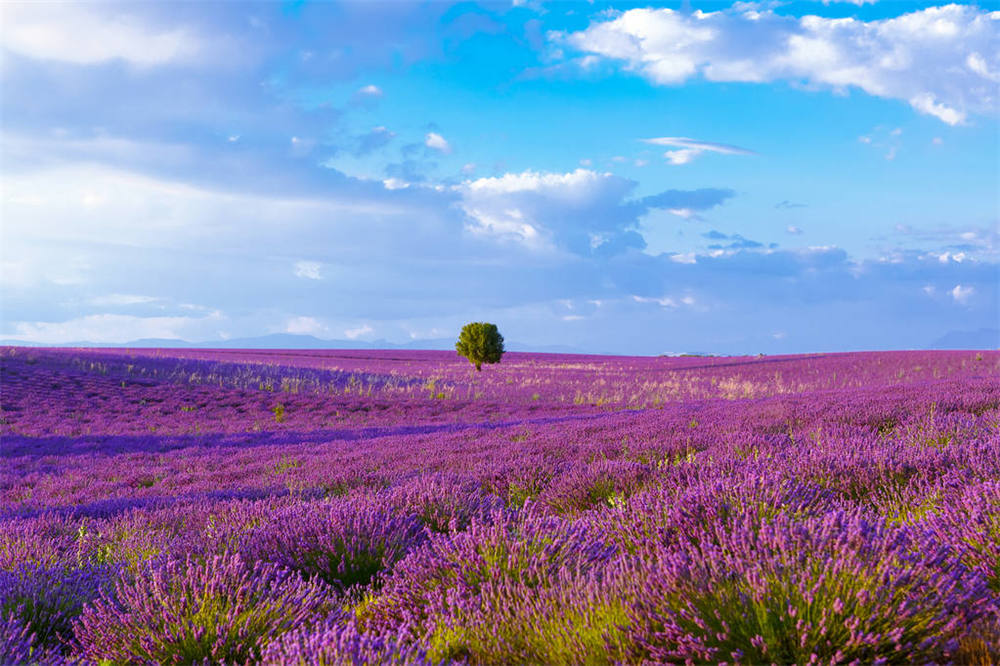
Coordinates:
(359,507)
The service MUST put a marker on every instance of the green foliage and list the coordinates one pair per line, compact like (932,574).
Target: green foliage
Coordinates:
(480,342)
(279,412)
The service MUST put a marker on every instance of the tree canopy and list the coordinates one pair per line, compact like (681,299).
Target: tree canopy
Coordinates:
(480,342)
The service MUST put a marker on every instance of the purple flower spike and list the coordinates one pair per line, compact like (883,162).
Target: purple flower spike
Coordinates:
(223,610)
(343,645)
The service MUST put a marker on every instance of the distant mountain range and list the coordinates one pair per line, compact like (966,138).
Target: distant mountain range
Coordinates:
(292,341)
(984,338)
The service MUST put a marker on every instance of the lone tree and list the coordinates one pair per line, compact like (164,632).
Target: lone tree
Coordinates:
(480,342)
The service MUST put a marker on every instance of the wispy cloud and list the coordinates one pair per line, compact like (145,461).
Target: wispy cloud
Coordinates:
(309,270)
(689,149)
(304,326)
(122,299)
(360,331)
(789,204)
(370,91)
(117,328)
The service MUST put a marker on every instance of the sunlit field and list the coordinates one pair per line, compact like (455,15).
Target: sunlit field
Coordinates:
(379,507)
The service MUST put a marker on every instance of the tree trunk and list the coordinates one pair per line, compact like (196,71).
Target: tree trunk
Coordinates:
(479,367)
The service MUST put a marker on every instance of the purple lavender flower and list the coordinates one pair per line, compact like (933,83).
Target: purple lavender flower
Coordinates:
(224,610)
(346,543)
(47,600)
(343,645)
(837,586)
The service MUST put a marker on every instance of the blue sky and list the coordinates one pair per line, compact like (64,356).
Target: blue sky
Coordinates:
(734,178)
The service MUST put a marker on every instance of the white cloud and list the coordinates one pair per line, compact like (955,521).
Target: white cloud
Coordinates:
(946,257)
(574,184)
(76,33)
(962,294)
(304,326)
(122,299)
(940,60)
(666,301)
(683,156)
(308,269)
(684,258)
(355,333)
(435,141)
(139,210)
(926,103)
(688,149)
(370,91)
(395,184)
(114,328)
(581,210)
(792,229)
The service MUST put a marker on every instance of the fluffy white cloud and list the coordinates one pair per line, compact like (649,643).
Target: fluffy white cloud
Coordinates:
(941,60)
(582,211)
(539,209)
(79,34)
(962,293)
(435,141)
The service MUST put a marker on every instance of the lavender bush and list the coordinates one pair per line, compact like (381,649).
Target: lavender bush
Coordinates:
(345,543)
(835,589)
(223,610)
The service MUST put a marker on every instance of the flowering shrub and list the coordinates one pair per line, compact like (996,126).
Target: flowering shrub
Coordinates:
(834,589)
(442,502)
(18,646)
(46,600)
(223,610)
(448,590)
(345,543)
